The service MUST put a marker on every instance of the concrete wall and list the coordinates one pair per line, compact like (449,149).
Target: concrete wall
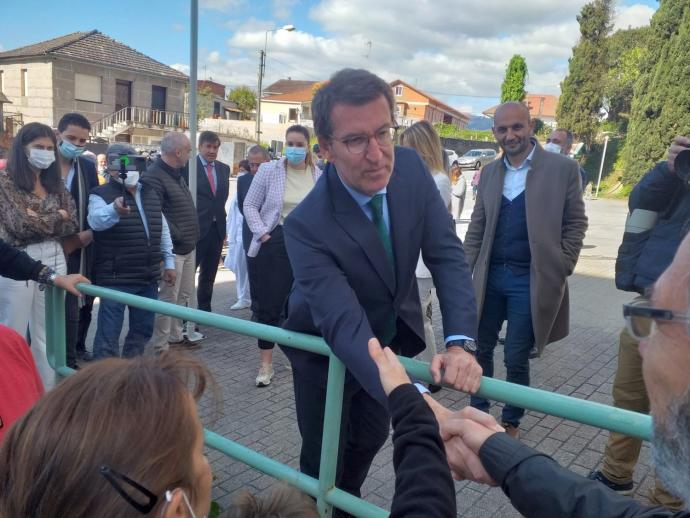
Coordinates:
(461,146)
(271,111)
(38,105)
(141,89)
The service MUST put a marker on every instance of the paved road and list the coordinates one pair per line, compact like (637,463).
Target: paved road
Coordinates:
(582,365)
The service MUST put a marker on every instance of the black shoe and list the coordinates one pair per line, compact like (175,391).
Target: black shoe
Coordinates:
(534,353)
(73,366)
(434,388)
(84,356)
(622,489)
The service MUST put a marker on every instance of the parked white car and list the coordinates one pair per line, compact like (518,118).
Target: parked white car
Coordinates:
(476,158)
(452,157)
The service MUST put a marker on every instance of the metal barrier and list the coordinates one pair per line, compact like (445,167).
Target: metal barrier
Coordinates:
(582,411)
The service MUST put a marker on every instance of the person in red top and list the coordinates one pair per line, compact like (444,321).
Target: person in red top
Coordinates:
(20,383)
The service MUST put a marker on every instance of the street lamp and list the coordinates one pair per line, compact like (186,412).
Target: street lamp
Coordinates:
(262,68)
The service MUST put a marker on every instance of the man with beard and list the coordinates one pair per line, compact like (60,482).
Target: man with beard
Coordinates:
(522,243)
(536,485)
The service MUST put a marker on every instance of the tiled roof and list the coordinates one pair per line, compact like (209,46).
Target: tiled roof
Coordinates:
(95,47)
(296,96)
(284,86)
(433,101)
(536,108)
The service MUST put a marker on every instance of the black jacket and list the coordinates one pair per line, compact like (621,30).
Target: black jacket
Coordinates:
(210,207)
(178,206)
(539,488)
(88,179)
(423,485)
(124,253)
(16,264)
(650,244)
(244,182)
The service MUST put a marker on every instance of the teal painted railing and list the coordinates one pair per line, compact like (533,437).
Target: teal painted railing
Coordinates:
(579,410)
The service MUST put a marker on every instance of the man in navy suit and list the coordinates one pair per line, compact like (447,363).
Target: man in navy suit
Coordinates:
(79,175)
(212,187)
(353,244)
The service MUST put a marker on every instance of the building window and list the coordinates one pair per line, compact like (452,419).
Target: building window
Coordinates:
(25,82)
(398,90)
(216,109)
(292,115)
(87,88)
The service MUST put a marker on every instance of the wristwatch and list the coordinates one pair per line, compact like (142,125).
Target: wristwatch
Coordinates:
(47,276)
(469,346)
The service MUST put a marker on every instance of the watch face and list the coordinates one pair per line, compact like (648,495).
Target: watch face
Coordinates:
(470,346)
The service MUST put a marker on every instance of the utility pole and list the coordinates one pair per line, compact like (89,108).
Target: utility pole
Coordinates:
(601,166)
(262,67)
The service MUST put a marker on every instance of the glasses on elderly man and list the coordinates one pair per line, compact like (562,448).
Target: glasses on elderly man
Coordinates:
(640,315)
(358,144)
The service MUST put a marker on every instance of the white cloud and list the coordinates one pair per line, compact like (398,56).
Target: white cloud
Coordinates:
(283,9)
(637,15)
(181,67)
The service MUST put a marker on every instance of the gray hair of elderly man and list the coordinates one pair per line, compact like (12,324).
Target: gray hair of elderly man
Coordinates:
(259,150)
(121,148)
(172,142)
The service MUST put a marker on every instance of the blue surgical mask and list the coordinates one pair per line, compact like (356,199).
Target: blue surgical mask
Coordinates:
(69,150)
(295,155)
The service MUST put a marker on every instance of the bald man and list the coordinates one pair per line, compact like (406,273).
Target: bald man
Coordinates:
(522,243)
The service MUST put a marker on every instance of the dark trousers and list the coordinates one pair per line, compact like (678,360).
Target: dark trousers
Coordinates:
(110,317)
(506,298)
(270,280)
(77,319)
(208,250)
(364,429)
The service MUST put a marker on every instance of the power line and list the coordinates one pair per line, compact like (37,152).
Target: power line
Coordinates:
(296,69)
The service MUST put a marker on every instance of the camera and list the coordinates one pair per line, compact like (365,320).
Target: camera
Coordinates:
(682,164)
(123,163)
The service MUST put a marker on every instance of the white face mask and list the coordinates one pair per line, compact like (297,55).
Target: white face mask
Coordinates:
(132,178)
(553,147)
(41,158)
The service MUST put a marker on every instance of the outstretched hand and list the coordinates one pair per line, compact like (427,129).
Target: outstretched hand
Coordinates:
(391,371)
(69,283)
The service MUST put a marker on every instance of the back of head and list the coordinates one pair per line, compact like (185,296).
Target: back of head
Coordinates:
(257,150)
(134,416)
(173,142)
(283,502)
(121,148)
(422,137)
(355,87)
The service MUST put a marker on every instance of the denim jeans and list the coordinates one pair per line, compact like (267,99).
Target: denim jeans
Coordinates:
(506,298)
(110,317)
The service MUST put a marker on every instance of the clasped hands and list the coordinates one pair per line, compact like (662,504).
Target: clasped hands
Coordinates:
(463,432)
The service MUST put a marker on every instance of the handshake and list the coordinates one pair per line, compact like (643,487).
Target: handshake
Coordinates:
(463,432)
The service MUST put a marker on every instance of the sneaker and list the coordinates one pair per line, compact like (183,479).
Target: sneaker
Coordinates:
(191,332)
(511,430)
(621,489)
(265,375)
(184,345)
(241,304)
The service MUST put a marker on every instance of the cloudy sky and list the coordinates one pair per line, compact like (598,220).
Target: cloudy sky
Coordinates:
(456,50)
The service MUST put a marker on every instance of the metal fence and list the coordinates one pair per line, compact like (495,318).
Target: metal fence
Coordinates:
(328,496)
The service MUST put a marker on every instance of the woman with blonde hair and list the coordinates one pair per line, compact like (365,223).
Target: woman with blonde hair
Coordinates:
(277,188)
(422,137)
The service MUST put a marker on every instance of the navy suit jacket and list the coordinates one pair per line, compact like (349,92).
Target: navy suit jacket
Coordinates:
(209,206)
(90,181)
(244,182)
(345,288)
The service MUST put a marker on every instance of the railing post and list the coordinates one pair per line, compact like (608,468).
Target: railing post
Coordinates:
(330,440)
(56,349)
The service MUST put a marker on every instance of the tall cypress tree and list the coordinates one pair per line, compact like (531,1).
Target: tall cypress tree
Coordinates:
(661,101)
(582,90)
(513,87)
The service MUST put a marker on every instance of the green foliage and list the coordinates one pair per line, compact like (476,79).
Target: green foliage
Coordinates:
(582,89)
(245,99)
(204,103)
(626,51)
(513,87)
(452,131)
(541,130)
(661,101)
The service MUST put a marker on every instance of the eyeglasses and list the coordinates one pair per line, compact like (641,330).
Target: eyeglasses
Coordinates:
(358,144)
(640,315)
(150,500)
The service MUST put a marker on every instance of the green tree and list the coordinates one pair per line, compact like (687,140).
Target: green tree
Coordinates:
(513,87)
(582,90)
(626,50)
(245,99)
(661,100)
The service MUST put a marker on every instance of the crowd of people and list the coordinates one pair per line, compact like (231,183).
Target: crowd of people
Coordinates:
(351,239)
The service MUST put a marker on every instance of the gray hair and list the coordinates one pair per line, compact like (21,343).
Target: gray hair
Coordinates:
(120,148)
(172,142)
(568,136)
(259,150)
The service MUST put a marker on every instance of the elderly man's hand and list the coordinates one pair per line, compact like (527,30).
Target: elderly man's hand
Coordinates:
(463,434)
(169,276)
(457,368)
(679,144)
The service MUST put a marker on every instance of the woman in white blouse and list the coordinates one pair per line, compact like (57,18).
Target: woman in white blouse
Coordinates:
(422,137)
(277,188)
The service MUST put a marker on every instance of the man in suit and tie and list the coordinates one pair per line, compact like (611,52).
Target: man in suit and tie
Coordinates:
(212,187)
(522,243)
(79,175)
(353,245)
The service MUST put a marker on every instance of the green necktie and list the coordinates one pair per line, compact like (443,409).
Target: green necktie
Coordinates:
(376,204)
